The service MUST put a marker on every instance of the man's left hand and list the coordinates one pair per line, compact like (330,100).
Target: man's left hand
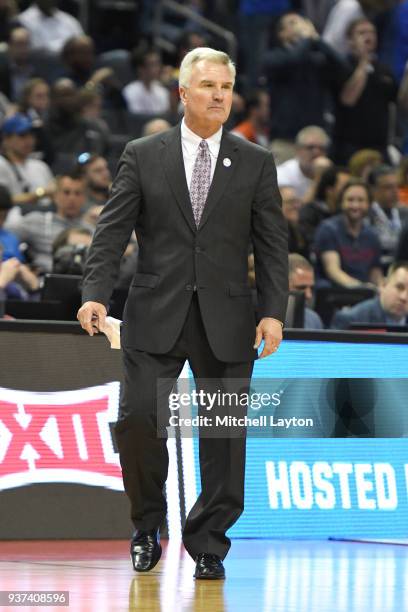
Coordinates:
(269,330)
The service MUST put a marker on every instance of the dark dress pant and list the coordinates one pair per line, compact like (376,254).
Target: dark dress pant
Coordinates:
(148,380)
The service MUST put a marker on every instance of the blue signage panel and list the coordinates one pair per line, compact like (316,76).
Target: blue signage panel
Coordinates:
(325,488)
(355,486)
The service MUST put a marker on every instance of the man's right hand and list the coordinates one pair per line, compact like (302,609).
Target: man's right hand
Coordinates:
(92,317)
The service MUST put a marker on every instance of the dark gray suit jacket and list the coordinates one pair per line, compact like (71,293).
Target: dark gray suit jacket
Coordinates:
(150,195)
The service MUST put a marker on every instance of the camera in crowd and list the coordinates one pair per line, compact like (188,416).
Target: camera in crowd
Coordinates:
(70,259)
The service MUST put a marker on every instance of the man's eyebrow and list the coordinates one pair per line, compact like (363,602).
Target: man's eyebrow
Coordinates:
(205,81)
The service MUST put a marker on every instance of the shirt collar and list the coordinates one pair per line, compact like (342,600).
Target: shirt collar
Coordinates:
(192,140)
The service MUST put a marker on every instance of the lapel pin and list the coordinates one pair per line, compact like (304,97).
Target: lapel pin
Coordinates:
(227,162)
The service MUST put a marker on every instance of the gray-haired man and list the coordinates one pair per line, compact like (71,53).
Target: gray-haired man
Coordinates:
(195,195)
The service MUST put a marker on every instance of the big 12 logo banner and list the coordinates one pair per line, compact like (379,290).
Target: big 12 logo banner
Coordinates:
(60,436)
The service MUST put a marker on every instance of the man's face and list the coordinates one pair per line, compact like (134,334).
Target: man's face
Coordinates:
(98,174)
(21,145)
(355,203)
(302,279)
(19,45)
(365,35)
(290,26)
(386,190)
(40,97)
(65,96)
(69,197)
(394,294)
(208,98)
(290,204)
(82,54)
(311,147)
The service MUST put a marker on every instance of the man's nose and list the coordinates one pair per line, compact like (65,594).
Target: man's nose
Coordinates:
(218,94)
(308,293)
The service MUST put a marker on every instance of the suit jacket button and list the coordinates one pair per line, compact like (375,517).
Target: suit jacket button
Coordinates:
(198,249)
(189,287)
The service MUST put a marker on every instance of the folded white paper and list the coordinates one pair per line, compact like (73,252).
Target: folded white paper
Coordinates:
(111,329)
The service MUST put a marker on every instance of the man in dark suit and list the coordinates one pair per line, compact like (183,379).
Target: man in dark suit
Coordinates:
(195,195)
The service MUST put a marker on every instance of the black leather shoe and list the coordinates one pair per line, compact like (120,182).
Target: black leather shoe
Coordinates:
(145,550)
(209,567)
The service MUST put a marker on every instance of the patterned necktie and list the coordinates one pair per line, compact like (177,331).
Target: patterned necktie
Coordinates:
(200,181)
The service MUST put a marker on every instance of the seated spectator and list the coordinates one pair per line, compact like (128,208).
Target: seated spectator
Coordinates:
(312,144)
(68,132)
(39,230)
(97,177)
(386,215)
(362,162)
(9,243)
(147,95)
(290,207)
(90,109)
(366,91)
(403,181)
(30,181)
(16,64)
(35,99)
(255,126)
(155,126)
(17,281)
(347,249)
(390,307)
(324,204)
(301,278)
(48,26)
(78,56)
(301,76)
(34,102)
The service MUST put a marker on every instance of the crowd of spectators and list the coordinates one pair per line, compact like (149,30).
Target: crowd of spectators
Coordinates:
(323,85)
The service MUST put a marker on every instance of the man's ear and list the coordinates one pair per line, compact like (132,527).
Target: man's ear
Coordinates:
(183,95)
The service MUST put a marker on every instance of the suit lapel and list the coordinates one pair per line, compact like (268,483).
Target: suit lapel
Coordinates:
(176,175)
(222,175)
(174,168)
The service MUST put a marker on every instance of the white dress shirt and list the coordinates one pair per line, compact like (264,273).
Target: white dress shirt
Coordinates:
(190,143)
(290,175)
(49,32)
(139,99)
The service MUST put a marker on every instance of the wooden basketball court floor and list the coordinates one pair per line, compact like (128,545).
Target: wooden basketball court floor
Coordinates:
(262,575)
